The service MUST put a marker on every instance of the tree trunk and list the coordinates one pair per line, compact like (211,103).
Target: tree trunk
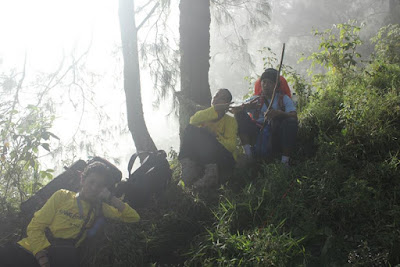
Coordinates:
(137,125)
(394,11)
(194,31)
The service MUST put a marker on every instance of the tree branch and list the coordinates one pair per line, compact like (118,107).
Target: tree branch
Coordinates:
(16,94)
(147,17)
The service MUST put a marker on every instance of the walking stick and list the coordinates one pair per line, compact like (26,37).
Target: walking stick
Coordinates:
(276,86)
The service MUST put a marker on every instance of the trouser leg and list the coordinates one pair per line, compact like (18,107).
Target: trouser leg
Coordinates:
(247,129)
(12,255)
(63,256)
(201,146)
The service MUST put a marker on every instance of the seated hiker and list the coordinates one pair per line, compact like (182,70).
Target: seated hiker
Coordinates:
(61,224)
(272,131)
(210,140)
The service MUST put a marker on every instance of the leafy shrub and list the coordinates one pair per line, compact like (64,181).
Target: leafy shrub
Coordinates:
(24,129)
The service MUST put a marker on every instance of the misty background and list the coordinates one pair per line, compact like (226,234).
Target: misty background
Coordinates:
(89,102)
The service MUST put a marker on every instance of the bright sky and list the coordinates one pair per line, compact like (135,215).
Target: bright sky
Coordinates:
(45,29)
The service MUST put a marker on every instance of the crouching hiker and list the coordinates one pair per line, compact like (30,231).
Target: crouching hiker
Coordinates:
(266,133)
(59,227)
(211,142)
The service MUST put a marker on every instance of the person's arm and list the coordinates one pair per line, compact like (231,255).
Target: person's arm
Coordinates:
(273,113)
(40,221)
(290,110)
(230,136)
(114,208)
(249,106)
(202,116)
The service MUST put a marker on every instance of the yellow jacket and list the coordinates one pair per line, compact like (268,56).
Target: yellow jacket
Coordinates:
(225,129)
(61,215)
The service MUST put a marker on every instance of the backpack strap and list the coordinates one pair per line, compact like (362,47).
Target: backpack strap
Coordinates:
(133,159)
(82,231)
(99,220)
(134,156)
(280,102)
(131,162)
(260,104)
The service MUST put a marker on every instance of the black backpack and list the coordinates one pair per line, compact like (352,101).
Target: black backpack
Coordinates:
(149,180)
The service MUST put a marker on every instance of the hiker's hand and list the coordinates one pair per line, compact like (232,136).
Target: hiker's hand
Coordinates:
(42,258)
(237,109)
(250,105)
(272,114)
(221,107)
(105,195)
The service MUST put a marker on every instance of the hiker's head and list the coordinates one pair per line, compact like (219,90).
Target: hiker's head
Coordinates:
(94,179)
(268,80)
(222,96)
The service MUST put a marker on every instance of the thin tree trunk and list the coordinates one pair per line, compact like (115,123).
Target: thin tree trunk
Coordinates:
(136,123)
(394,11)
(194,31)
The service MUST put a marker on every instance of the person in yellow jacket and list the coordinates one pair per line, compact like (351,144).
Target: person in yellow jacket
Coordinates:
(210,140)
(61,224)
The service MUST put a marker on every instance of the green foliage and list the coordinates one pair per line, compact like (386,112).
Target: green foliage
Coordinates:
(302,89)
(256,247)
(387,44)
(357,108)
(250,82)
(23,130)
(352,122)
(269,58)
(244,232)
(337,48)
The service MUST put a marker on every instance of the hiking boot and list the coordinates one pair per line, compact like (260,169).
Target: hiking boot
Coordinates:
(190,171)
(210,177)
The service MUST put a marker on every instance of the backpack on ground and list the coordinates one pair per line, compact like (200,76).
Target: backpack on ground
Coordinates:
(149,180)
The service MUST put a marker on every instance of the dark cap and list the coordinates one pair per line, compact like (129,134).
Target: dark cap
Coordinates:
(270,74)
